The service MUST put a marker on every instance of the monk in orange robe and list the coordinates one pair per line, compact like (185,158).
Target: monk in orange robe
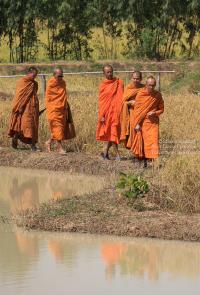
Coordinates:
(127,109)
(148,106)
(58,112)
(25,111)
(109,102)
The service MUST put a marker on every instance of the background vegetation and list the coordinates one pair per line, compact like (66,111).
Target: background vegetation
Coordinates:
(99,29)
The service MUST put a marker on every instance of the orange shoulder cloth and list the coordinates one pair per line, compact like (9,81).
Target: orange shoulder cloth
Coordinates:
(55,97)
(110,90)
(126,114)
(24,90)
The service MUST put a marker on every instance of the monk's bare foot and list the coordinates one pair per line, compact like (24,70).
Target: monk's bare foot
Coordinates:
(62,152)
(48,146)
(105,151)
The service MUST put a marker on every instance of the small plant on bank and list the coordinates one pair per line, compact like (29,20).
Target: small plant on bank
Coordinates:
(137,187)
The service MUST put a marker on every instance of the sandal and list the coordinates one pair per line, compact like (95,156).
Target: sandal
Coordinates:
(14,144)
(35,149)
(104,156)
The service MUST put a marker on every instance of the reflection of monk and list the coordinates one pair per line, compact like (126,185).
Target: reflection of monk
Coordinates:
(56,188)
(57,250)
(24,196)
(27,244)
(111,252)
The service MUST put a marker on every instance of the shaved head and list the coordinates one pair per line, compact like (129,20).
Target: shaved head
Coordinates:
(107,66)
(57,69)
(136,78)
(152,79)
(137,73)
(150,83)
(108,71)
(32,73)
(58,74)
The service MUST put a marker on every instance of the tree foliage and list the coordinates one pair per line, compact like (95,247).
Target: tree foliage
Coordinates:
(153,28)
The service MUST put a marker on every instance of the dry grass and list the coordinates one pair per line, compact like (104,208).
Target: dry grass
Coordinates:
(177,183)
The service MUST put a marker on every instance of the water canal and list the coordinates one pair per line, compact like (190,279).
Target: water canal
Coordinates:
(61,263)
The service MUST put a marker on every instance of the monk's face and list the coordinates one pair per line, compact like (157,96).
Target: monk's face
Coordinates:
(32,75)
(108,72)
(136,79)
(58,75)
(151,84)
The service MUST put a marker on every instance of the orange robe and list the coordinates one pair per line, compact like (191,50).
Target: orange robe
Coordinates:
(146,141)
(25,125)
(127,114)
(110,98)
(56,103)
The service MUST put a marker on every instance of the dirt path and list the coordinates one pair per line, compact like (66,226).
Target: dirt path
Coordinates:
(73,162)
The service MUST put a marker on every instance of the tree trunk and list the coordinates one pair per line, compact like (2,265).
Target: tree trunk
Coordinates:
(173,35)
(111,36)
(192,34)
(104,41)
(65,42)
(48,36)
(21,38)
(168,34)
(10,45)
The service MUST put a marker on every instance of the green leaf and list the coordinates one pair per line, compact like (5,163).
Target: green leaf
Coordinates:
(122,174)
(120,185)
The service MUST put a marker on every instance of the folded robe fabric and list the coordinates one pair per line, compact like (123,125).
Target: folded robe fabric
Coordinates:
(146,141)
(56,104)
(127,114)
(25,125)
(109,103)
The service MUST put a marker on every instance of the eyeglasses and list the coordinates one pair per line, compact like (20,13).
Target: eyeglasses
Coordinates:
(151,85)
(60,76)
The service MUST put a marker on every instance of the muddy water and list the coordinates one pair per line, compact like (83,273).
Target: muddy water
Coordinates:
(61,263)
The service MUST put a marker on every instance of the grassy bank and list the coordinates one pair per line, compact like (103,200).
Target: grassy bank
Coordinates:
(107,213)
(176,185)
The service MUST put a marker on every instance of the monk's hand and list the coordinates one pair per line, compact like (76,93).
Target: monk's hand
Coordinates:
(102,120)
(137,128)
(132,103)
(151,114)
(20,110)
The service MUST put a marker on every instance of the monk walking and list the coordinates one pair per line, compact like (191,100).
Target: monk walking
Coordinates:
(148,106)
(25,111)
(127,109)
(109,102)
(58,112)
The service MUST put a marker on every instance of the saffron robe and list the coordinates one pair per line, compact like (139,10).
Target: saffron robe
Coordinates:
(127,114)
(57,114)
(146,141)
(25,125)
(109,103)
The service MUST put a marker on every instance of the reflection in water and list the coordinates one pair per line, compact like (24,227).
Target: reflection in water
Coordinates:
(57,250)
(114,265)
(111,253)
(23,196)
(27,188)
